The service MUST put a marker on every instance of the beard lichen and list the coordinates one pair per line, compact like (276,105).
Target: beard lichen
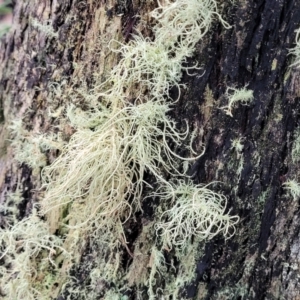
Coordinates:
(97,184)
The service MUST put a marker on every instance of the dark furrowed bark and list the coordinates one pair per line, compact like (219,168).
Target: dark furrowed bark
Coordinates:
(261,260)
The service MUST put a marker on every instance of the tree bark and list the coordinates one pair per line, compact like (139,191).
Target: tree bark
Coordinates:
(261,261)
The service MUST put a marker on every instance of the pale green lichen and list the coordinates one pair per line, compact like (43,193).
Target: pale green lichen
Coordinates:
(296,50)
(235,96)
(9,209)
(27,249)
(197,211)
(44,27)
(97,182)
(30,148)
(237,146)
(296,147)
(158,65)
(157,265)
(116,143)
(25,150)
(293,188)
(111,159)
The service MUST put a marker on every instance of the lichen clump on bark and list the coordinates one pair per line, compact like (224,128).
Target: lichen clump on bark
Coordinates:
(97,183)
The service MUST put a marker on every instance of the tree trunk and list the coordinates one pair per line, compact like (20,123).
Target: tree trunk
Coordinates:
(55,47)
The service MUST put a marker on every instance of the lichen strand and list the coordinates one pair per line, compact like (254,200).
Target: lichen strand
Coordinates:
(295,51)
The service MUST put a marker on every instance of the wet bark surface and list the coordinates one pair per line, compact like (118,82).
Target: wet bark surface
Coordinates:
(262,260)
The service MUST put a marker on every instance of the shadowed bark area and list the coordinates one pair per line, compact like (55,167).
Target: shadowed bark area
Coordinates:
(261,261)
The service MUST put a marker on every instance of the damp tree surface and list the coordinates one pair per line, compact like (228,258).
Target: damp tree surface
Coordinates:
(251,152)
